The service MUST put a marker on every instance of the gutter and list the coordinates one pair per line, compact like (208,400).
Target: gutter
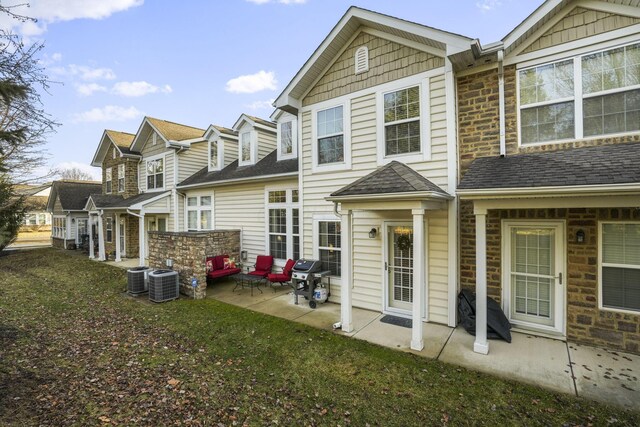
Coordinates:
(599,190)
(236,180)
(391,196)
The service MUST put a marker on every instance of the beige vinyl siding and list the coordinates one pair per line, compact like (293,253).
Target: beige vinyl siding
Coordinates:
(266,143)
(192,160)
(230,151)
(578,24)
(71,227)
(368,280)
(242,206)
(150,150)
(57,207)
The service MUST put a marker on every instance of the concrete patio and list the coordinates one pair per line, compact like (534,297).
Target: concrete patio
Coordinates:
(590,372)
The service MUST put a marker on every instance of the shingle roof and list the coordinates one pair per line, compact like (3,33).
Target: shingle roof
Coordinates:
(122,139)
(394,177)
(267,166)
(73,195)
(112,201)
(262,121)
(175,131)
(607,164)
(225,130)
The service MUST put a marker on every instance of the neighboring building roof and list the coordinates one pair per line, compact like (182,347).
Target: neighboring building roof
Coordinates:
(601,165)
(175,131)
(225,130)
(262,121)
(73,195)
(268,166)
(122,140)
(112,201)
(392,178)
(33,190)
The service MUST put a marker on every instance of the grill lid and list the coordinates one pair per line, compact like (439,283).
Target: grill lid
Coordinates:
(307,265)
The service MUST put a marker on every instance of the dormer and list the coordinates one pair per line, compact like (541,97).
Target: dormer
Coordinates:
(287,136)
(119,164)
(222,147)
(256,139)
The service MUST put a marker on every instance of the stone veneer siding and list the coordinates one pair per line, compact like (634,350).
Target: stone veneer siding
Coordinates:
(189,250)
(132,237)
(479,136)
(130,174)
(57,242)
(387,61)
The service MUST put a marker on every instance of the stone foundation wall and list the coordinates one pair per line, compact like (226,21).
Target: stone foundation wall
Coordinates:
(189,250)
(58,243)
(586,323)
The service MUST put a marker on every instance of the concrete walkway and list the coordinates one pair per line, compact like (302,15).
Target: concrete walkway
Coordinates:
(594,373)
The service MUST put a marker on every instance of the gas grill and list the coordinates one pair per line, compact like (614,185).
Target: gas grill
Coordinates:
(306,275)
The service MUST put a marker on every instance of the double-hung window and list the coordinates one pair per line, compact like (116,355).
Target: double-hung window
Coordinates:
(330,135)
(155,174)
(59,227)
(214,161)
(329,246)
(620,266)
(248,148)
(283,216)
(108,180)
(199,213)
(402,121)
(108,221)
(587,96)
(287,140)
(121,178)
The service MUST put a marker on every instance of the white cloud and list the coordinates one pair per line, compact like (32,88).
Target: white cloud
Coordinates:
(108,113)
(85,73)
(96,173)
(49,11)
(141,88)
(87,89)
(252,83)
(487,5)
(261,105)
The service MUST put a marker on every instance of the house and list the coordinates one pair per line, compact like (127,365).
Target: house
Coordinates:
(549,145)
(139,194)
(251,184)
(36,217)
(375,107)
(66,203)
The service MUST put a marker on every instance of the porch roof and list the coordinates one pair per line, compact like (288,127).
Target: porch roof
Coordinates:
(606,165)
(394,178)
(113,201)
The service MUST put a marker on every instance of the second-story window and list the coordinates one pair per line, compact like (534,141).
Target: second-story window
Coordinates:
(286,138)
(245,148)
(155,174)
(402,121)
(213,155)
(107,180)
(121,178)
(330,133)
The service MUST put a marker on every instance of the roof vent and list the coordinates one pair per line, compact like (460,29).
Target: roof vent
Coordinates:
(362,60)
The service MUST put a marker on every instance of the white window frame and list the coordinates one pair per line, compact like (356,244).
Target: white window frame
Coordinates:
(59,231)
(289,205)
(198,208)
(294,140)
(346,137)
(164,172)
(425,124)
(220,160)
(121,177)
(601,264)
(578,96)
(84,220)
(108,180)
(317,219)
(253,141)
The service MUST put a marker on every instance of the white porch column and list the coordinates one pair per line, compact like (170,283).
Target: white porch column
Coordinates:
(141,242)
(481,345)
(118,231)
(418,279)
(346,267)
(101,251)
(91,252)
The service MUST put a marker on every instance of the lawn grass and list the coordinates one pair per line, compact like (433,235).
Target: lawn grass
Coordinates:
(74,350)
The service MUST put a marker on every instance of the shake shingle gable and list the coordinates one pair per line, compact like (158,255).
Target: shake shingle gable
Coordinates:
(601,165)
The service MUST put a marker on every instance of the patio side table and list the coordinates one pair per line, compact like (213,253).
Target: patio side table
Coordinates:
(243,279)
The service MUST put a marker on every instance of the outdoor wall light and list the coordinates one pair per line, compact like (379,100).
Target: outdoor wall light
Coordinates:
(580,236)
(73,220)
(169,262)
(243,255)
(373,233)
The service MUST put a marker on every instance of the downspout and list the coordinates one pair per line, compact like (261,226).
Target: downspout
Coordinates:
(174,191)
(503,143)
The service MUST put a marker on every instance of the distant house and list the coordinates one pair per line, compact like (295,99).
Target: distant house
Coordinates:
(66,204)
(36,217)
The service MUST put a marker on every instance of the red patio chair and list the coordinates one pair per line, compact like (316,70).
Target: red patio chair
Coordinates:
(263,265)
(283,278)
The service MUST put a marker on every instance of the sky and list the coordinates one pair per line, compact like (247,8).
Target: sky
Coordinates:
(198,62)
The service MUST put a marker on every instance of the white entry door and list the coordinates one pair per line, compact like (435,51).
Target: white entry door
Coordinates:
(399,268)
(534,282)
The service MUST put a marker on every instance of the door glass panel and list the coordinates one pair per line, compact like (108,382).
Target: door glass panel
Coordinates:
(400,266)
(532,274)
